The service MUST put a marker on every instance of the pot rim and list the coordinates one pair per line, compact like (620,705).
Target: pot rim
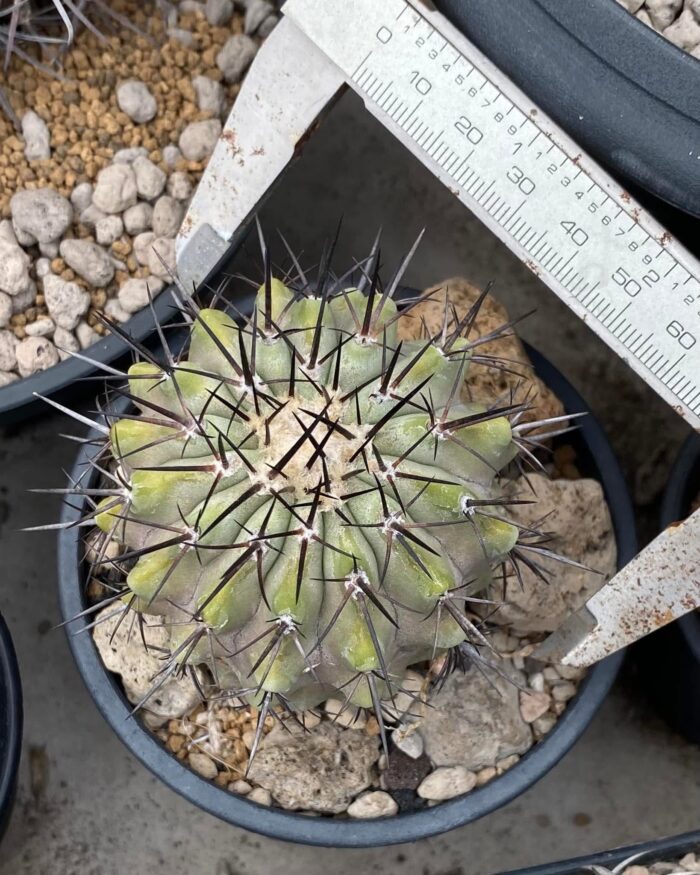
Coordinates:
(683,484)
(644,852)
(326,831)
(11,715)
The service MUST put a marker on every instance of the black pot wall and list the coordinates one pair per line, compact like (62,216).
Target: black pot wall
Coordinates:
(670,659)
(645,853)
(597,459)
(10,725)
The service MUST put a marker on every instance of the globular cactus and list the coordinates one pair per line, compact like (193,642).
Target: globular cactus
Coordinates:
(309,502)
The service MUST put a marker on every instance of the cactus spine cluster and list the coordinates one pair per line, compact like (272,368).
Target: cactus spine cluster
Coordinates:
(309,502)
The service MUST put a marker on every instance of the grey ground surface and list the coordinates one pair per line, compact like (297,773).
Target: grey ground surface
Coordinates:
(86,806)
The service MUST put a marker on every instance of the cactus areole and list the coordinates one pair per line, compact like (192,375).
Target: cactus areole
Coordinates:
(311,504)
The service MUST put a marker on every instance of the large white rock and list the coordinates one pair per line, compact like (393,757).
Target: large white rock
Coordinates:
(199,139)
(37,139)
(35,354)
(124,653)
(150,179)
(135,99)
(116,188)
(65,301)
(89,261)
(14,268)
(235,56)
(576,513)
(42,214)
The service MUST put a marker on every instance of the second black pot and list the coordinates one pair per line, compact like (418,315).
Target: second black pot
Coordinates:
(10,725)
(666,850)
(596,459)
(670,659)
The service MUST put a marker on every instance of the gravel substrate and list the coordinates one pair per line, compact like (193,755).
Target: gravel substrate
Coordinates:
(98,166)
(688,863)
(677,20)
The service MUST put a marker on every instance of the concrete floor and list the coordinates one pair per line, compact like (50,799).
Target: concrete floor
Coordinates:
(86,806)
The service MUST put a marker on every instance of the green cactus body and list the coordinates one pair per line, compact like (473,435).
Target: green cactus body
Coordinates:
(309,502)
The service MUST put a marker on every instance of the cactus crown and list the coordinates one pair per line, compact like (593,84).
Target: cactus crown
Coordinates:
(311,503)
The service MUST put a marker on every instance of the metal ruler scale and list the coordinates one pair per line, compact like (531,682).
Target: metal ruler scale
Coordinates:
(567,219)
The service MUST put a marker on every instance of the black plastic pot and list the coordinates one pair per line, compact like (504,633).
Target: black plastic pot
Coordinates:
(596,458)
(662,850)
(610,81)
(670,659)
(10,725)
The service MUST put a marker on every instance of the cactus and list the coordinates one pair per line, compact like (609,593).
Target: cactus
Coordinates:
(312,504)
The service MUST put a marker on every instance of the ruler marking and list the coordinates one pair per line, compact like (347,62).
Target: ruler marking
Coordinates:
(383,77)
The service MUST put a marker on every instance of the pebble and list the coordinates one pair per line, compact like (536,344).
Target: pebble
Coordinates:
(89,261)
(185,37)
(143,243)
(37,139)
(81,197)
(235,56)
(14,268)
(49,250)
(179,186)
(150,179)
(374,804)
(563,692)
(91,215)
(198,140)
(35,354)
(161,258)
(267,26)
(167,216)
(536,682)
(446,783)
(218,12)
(171,155)
(343,714)
(42,327)
(65,301)
(544,724)
(6,377)
(135,99)
(663,12)
(116,188)
(8,347)
(485,775)
(474,721)
(260,795)
(685,31)
(240,786)
(138,218)
(256,13)
(129,154)
(115,312)
(86,335)
(133,295)
(23,300)
(210,94)
(124,653)
(203,765)
(5,309)
(322,770)
(42,214)
(408,742)
(66,343)
(536,605)
(109,229)
(534,705)
(632,5)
